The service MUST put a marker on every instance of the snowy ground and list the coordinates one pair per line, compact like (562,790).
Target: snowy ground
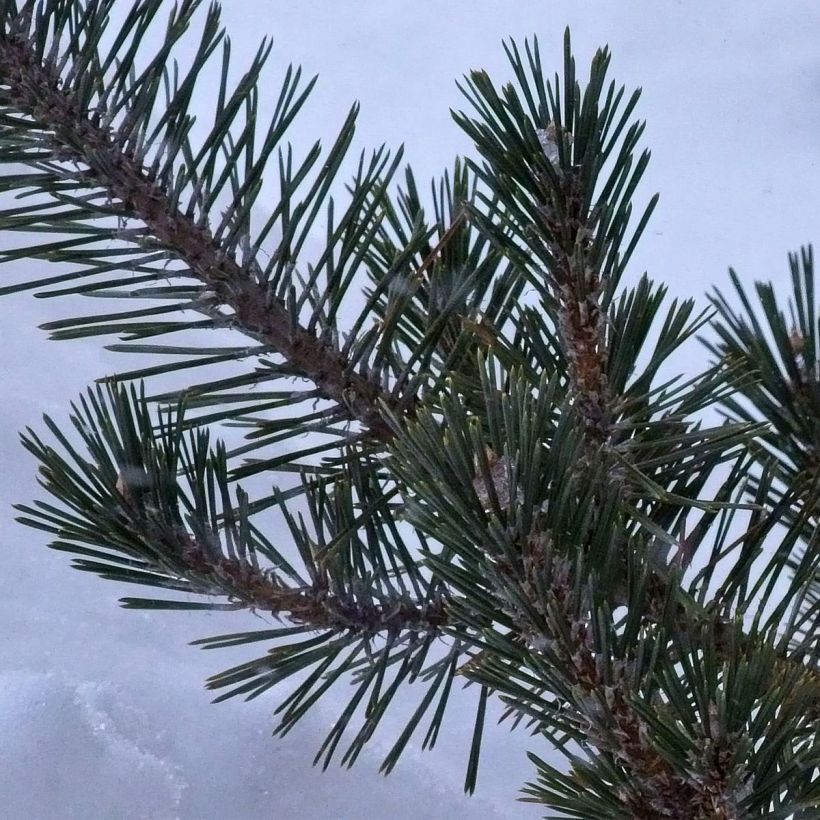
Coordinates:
(102,711)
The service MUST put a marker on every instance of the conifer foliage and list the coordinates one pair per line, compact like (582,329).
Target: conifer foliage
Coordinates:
(464,460)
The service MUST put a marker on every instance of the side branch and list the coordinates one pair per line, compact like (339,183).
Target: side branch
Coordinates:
(175,558)
(33,88)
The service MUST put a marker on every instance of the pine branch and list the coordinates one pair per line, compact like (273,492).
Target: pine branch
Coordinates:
(562,227)
(776,364)
(151,505)
(131,488)
(558,556)
(33,88)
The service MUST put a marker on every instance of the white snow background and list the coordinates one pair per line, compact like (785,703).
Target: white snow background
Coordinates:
(103,715)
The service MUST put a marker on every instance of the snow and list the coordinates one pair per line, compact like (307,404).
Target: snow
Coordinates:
(82,736)
(107,749)
(102,711)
